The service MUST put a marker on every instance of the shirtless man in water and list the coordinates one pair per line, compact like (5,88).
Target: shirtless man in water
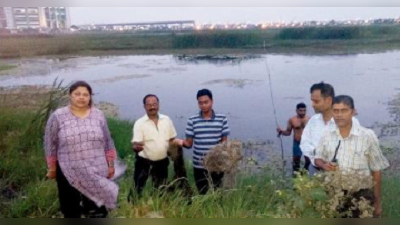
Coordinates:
(297,124)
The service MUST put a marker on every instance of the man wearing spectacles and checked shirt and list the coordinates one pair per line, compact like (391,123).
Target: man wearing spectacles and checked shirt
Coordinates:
(322,95)
(355,149)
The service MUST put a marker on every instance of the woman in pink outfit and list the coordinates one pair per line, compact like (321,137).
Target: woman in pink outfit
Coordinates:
(80,155)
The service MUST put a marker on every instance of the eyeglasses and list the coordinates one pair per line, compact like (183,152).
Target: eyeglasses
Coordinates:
(152,105)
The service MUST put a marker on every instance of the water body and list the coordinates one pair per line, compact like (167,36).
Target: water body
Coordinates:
(241,88)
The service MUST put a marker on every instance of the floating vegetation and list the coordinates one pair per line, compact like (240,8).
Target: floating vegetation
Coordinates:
(216,59)
(119,78)
(168,69)
(230,82)
(133,65)
(7,67)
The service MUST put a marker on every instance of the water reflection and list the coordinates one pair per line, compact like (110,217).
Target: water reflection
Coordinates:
(240,86)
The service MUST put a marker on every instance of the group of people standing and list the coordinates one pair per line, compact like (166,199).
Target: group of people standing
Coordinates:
(333,139)
(80,152)
(154,133)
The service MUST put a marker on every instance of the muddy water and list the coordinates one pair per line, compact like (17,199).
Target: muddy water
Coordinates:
(241,89)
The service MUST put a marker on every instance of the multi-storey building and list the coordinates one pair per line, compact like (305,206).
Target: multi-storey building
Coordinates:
(6,17)
(3,22)
(57,17)
(34,17)
(27,17)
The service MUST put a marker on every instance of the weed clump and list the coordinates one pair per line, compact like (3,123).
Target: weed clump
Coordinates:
(224,158)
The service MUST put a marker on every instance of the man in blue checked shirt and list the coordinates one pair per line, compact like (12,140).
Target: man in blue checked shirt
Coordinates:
(204,131)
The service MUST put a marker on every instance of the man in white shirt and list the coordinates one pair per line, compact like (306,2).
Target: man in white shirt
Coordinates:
(349,147)
(152,136)
(322,95)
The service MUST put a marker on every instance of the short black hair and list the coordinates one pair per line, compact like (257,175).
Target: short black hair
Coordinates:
(344,99)
(301,105)
(326,89)
(204,92)
(149,95)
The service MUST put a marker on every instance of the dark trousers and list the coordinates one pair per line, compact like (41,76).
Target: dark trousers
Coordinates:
(203,180)
(297,162)
(144,167)
(180,177)
(297,153)
(73,204)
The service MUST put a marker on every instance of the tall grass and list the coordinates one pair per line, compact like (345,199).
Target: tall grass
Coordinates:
(391,196)
(372,38)
(27,46)
(218,39)
(37,200)
(255,198)
(256,195)
(121,135)
(20,164)
(338,33)
(320,33)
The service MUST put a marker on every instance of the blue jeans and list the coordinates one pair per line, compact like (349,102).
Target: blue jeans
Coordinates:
(297,153)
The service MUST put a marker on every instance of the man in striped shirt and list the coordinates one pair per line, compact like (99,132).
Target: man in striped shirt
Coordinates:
(203,132)
(349,147)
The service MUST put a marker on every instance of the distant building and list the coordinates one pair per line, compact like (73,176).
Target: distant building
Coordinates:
(27,17)
(6,17)
(3,22)
(57,17)
(34,18)
(140,26)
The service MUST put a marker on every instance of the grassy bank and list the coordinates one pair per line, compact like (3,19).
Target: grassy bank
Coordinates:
(7,67)
(321,40)
(26,193)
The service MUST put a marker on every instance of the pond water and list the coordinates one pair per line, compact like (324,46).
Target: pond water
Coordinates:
(240,87)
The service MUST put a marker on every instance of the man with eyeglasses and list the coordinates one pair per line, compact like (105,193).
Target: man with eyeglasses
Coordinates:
(152,136)
(349,147)
(322,95)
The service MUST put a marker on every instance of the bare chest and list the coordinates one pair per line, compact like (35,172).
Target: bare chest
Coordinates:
(299,124)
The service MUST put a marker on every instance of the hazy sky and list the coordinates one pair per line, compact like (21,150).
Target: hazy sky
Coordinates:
(82,15)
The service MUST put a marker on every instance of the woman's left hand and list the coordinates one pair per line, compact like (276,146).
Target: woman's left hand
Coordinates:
(111,172)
